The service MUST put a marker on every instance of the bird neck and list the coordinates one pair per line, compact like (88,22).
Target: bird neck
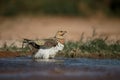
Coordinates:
(62,41)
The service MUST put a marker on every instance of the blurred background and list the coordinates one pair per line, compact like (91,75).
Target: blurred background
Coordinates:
(60,7)
(43,18)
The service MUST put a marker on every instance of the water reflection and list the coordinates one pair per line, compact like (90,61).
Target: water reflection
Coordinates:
(22,68)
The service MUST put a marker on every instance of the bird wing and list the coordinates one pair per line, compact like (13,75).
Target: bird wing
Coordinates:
(46,43)
(41,43)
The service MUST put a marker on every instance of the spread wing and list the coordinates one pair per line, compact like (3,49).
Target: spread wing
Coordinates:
(43,43)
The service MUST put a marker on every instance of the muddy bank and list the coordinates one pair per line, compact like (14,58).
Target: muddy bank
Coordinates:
(9,54)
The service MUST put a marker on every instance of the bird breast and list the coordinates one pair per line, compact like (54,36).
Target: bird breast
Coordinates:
(45,53)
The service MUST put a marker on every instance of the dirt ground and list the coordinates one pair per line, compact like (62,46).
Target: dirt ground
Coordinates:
(9,54)
(40,27)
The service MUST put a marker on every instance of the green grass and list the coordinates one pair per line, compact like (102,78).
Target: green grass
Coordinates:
(94,48)
(14,48)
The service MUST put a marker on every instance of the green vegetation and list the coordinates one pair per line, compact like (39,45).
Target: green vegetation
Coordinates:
(94,48)
(14,48)
(59,7)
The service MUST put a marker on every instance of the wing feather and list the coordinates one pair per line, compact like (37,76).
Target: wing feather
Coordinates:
(42,43)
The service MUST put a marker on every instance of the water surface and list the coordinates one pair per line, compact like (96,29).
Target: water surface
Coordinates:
(23,68)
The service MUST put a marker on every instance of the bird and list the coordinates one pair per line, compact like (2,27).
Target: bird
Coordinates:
(47,48)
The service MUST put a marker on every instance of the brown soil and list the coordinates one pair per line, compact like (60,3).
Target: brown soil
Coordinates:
(8,54)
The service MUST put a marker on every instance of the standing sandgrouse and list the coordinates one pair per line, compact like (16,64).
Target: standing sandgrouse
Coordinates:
(47,48)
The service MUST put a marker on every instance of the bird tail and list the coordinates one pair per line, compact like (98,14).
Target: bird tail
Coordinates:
(27,41)
(31,42)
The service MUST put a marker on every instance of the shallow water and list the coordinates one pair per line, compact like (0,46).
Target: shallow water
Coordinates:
(23,68)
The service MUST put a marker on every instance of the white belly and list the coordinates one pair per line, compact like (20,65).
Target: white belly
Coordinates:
(49,53)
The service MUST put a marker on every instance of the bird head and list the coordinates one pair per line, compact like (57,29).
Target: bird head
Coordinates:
(60,36)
